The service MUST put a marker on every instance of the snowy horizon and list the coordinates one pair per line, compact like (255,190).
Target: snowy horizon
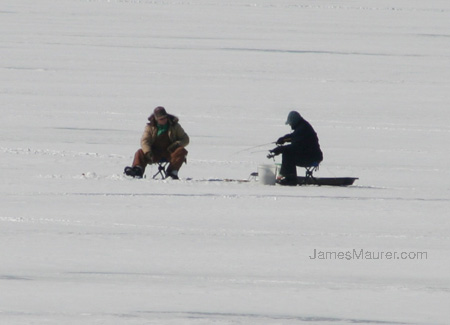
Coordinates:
(80,243)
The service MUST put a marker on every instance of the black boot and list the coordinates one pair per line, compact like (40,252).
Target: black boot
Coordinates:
(173,174)
(288,181)
(138,172)
(128,171)
(135,171)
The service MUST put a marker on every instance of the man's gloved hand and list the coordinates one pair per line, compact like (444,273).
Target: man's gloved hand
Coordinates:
(149,157)
(275,152)
(174,146)
(281,140)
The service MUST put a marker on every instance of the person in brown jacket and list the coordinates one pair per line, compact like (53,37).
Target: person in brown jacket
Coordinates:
(163,140)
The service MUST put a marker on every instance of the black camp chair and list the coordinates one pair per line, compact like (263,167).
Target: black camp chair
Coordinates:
(162,164)
(309,178)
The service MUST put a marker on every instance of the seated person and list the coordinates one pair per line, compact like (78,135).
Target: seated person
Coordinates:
(163,140)
(303,150)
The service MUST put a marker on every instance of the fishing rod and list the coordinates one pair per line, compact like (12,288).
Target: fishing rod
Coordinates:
(254,147)
(258,151)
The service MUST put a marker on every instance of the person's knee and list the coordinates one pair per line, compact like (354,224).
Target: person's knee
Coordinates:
(180,152)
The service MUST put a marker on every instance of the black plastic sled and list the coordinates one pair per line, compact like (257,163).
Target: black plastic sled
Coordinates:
(326,181)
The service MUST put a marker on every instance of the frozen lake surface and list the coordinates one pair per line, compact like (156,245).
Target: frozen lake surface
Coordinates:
(82,244)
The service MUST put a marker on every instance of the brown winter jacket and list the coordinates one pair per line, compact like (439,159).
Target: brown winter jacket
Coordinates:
(176,133)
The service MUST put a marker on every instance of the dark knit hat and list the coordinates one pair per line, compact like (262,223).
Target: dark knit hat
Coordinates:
(160,112)
(293,118)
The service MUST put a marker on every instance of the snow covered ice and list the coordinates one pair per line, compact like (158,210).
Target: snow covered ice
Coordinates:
(82,244)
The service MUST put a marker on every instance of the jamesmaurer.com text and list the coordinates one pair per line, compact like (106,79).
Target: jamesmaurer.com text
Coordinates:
(362,254)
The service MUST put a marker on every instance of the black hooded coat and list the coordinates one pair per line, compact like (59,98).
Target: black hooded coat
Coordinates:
(303,150)
(304,143)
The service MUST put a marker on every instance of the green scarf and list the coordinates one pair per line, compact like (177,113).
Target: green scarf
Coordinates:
(162,129)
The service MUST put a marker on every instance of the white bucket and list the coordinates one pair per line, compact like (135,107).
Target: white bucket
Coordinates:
(267,174)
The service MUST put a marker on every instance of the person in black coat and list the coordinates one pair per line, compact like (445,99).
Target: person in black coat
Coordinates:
(303,150)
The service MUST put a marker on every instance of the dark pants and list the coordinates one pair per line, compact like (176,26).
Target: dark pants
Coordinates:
(291,159)
(175,159)
(160,153)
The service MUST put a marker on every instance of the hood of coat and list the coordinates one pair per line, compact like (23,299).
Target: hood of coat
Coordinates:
(294,119)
